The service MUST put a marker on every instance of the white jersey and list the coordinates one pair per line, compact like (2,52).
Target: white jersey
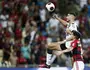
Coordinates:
(73,26)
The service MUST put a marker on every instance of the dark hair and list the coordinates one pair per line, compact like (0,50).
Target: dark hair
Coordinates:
(26,40)
(76,34)
(73,13)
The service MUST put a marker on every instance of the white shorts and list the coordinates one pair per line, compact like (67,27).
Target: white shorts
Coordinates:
(78,65)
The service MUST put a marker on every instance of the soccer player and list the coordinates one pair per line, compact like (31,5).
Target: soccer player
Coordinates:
(76,49)
(70,25)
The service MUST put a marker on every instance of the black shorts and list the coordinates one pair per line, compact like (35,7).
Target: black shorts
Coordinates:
(63,47)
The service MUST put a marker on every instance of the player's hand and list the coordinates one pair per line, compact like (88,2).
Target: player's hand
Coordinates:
(55,16)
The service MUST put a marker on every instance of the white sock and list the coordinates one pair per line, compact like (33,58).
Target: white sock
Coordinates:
(52,59)
(48,58)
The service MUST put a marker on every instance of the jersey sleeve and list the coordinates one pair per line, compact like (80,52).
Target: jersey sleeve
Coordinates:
(79,43)
(74,26)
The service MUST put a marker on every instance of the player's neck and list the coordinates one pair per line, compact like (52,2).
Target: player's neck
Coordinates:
(71,21)
(74,39)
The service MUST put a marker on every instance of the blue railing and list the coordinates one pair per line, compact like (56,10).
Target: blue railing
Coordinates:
(52,68)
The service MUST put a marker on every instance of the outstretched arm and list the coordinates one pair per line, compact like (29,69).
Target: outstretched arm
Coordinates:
(67,50)
(60,20)
(63,51)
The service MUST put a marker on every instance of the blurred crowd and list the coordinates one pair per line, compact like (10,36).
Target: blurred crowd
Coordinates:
(26,27)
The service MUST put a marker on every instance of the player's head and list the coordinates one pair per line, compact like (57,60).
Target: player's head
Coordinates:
(71,16)
(76,34)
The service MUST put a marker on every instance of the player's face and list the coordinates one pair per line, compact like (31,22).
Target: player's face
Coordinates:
(69,17)
(73,36)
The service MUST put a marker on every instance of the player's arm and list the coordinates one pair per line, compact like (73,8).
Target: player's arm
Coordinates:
(61,42)
(67,50)
(60,20)
(63,51)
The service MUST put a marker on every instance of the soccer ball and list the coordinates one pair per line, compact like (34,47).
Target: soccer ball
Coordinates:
(50,7)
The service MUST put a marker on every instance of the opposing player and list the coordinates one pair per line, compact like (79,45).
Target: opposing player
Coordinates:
(76,49)
(70,25)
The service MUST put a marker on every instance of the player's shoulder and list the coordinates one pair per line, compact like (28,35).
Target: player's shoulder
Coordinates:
(76,41)
(76,22)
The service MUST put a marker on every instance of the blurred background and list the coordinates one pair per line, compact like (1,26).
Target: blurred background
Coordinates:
(26,27)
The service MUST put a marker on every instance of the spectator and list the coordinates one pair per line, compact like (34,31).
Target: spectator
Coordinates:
(18,32)
(42,28)
(21,61)
(26,51)
(13,58)
(42,13)
(26,31)
(87,55)
(4,19)
(53,28)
